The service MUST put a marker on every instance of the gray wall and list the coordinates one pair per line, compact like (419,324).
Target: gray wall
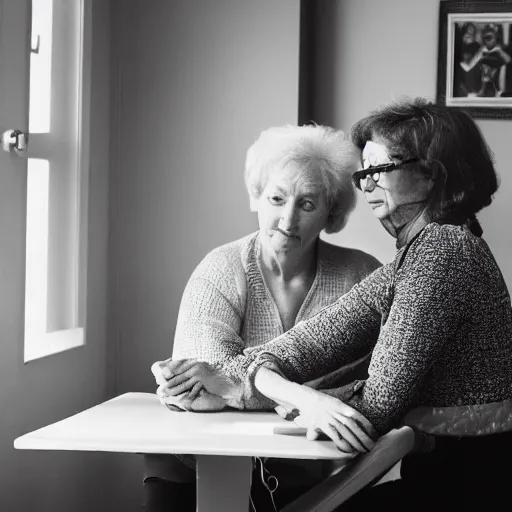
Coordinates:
(194,83)
(47,390)
(370,52)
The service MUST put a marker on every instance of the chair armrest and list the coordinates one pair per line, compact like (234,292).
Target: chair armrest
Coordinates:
(364,470)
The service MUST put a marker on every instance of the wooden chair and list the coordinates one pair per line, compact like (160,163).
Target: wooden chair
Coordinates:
(365,470)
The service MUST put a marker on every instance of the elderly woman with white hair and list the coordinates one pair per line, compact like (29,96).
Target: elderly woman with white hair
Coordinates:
(248,292)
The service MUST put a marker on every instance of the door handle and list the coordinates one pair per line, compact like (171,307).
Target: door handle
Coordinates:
(15,139)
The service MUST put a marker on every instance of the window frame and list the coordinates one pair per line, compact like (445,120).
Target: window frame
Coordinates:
(49,343)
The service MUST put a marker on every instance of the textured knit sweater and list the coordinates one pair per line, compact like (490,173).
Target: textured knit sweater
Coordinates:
(439,321)
(227,307)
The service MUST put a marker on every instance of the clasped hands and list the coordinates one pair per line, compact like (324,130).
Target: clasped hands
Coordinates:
(199,386)
(192,385)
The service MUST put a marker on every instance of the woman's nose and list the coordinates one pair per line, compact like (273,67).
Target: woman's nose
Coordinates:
(289,217)
(367,184)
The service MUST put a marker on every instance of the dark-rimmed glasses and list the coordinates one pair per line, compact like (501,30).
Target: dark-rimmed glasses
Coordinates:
(375,172)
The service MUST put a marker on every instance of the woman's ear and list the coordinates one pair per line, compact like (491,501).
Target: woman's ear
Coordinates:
(329,222)
(429,176)
(431,182)
(253,203)
(435,174)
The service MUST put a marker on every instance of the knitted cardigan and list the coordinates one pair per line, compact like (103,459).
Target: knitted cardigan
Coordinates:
(439,321)
(226,306)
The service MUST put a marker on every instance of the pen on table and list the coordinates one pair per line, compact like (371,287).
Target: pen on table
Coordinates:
(298,431)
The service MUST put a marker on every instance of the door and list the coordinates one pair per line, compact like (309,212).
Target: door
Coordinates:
(14,98)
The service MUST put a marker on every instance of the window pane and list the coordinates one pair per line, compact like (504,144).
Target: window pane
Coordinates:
(40,66)
(38,180)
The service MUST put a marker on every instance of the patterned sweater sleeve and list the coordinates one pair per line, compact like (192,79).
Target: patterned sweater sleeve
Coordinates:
(428,303)
(337,335)
(429,306)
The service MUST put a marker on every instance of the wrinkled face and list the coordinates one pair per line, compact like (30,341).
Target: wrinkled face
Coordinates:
(292,210)
(394,190)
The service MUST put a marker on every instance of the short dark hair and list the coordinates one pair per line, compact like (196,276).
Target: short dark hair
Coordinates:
(450,148)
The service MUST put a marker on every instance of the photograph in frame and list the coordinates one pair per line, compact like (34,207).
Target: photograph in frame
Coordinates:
(475,57)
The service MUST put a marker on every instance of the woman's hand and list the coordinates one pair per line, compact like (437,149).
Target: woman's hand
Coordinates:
(204,402)
(318,412)
(287,412)
(197,401)
(183,375)
(164,370)
(349,429)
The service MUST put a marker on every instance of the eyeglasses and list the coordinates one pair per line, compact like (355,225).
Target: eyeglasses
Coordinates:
(374,172)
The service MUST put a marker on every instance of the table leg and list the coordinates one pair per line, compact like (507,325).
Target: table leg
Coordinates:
(223,483)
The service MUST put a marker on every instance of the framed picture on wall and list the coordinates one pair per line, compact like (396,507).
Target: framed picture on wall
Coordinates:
(475,57)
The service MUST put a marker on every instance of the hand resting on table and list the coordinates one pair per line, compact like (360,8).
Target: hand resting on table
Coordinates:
(196,399)
(185,380)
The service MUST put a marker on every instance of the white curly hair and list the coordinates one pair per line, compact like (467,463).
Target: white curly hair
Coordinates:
(320,151)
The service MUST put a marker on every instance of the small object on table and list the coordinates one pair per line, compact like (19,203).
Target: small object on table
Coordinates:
(298,431)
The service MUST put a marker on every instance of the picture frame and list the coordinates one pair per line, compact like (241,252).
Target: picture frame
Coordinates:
(475,57)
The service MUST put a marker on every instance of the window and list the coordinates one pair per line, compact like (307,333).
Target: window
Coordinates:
(57,180)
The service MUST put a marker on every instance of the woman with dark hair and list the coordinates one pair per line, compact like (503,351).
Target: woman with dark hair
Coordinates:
(447,153)
(438,318)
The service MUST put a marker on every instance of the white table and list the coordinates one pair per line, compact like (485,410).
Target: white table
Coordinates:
(224,442)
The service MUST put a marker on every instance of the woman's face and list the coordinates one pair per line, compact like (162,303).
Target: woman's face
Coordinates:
(396,191)
(292,210)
